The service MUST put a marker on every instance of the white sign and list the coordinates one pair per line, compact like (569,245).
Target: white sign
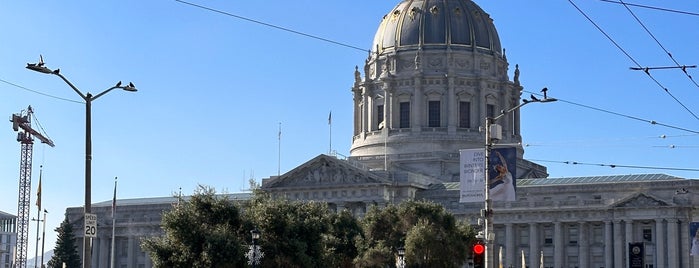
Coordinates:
(90,225)
(472,177)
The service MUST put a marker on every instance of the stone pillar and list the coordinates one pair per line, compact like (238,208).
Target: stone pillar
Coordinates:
(618,245)
(673,238)
(509,245)
(130,253)
(534,254)
(608,241)
(683,249)
(452,109)
(628,237)
(95,251)
(416,108)
(149,262)
(660,242)
(364,113)
(104,252)
(584,246)
(558,245)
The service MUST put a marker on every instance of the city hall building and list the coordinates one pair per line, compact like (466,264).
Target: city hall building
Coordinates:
(435,72)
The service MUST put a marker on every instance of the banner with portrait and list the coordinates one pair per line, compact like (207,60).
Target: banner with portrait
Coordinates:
(502,174)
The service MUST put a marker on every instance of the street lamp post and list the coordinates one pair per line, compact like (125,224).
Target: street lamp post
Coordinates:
(88,98)
(488,211)
(255,253)
(401,257)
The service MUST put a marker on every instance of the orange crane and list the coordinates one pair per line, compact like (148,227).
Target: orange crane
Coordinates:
(21,122)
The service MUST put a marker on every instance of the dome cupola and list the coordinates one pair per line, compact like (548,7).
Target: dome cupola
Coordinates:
(416,24)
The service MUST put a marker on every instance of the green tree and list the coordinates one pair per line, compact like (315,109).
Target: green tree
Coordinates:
(292,232)
(431,236)
(65,250)
(199,232)
(340,240)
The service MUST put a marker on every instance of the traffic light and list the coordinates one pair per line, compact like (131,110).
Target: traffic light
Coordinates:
(478,251)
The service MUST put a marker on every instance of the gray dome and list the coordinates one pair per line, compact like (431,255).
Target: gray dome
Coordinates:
(458,24)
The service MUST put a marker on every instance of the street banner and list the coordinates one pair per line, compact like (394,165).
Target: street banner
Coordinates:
(502,174)
(472,165)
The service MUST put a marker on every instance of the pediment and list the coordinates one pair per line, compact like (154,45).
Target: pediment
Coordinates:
(640,200)
(322,171)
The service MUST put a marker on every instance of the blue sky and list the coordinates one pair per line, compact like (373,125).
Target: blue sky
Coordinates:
(213,90)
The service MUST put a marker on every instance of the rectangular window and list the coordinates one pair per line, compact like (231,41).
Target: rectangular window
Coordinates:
(598,234)
(490,110)
(548,235)
(573,236)
(647,235)
(464,114)
(379,116)
(433,114)
(404,114)
(524,236)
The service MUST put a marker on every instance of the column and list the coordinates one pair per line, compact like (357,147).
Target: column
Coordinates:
(149,262)
(584,246)
(618,245)
(130,253)
(104,251)
(364,113)
(558,245)
(660,242)
(608,249)
(534,254)
(672,239)
(388,110)
(416,107)
(95,243)
(683,246)
(509,245)
(628,237)
(452,109)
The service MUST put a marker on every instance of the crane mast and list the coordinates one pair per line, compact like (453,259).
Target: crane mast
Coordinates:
(21,123)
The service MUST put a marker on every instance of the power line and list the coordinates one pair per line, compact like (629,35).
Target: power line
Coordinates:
(38,92)
(652,122)
(632,59)
(274,26)
(616,166)
(683,67)
(656,8)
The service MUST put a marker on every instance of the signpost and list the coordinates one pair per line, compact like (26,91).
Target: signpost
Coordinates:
(90,225)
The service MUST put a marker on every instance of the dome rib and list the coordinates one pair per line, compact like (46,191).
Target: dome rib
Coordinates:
(437,23)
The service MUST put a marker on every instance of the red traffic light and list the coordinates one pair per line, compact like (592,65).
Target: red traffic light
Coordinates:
(478,249)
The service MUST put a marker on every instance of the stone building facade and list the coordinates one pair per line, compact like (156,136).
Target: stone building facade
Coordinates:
(435,72)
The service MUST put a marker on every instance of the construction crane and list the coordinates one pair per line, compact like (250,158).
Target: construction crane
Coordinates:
(21,122)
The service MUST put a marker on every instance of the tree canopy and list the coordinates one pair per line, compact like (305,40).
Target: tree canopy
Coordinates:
(65,250)
(209,230)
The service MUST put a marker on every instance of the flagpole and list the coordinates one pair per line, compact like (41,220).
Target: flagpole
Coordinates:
(113,223)
(279,158)
(38,216)
(330,127)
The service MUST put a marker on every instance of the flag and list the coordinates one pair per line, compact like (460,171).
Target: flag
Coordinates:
(330,118)
(114,198)
(38,194)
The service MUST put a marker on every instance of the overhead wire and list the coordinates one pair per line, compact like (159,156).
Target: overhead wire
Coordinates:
(652,122)
(682,67)
(616,166)
(632,59)
(652,7)
(38,92)
(274,26)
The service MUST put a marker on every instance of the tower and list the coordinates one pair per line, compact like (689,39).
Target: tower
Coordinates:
(435,71)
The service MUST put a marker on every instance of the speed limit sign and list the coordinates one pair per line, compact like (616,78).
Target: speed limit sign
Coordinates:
(90,225)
